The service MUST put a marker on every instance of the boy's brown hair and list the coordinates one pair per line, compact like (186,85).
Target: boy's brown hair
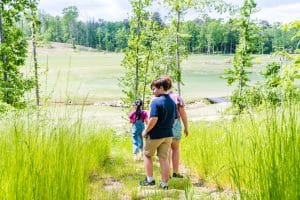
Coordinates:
(164,81)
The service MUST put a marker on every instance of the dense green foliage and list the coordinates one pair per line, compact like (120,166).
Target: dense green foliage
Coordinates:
(13,50)
(100,34)
(137,55)
(242,61)
(33,18)
(279,83)
(205,35)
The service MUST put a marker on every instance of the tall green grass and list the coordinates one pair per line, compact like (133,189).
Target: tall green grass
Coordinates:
(257,155)
(49,159)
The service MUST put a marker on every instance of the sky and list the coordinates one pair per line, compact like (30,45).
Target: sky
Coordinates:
(283,11)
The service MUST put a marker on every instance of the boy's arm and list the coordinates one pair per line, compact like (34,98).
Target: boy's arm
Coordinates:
(151,123)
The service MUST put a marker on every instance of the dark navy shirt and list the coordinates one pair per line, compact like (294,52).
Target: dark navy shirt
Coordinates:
(164,108)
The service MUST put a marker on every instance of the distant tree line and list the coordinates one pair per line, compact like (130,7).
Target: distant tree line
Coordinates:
(204,35)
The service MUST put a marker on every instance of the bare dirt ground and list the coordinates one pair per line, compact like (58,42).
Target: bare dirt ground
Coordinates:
(203,112)
(198,189)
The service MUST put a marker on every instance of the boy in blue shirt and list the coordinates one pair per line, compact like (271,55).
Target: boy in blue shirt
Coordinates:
(158,131)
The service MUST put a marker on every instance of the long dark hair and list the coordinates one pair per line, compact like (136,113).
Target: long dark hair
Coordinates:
(138,110)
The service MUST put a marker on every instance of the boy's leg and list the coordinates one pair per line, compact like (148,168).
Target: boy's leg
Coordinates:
(148,163)
(163,155)
(164,169)
(141,146)
(149,151)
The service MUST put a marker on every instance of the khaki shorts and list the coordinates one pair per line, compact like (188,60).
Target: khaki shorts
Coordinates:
(162,146)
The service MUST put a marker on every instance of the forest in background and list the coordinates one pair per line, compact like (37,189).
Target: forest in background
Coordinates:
(205,35)
(152,46)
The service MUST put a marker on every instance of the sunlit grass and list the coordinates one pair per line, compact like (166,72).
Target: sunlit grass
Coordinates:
(68,157)
(256,155)
(49,159)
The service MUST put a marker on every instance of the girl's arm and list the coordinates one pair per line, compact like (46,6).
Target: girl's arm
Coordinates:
(131,117)
(184,119)
(146,121)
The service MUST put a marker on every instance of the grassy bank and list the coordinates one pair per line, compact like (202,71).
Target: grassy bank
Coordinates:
(68,75)
(49,159)
(256,155)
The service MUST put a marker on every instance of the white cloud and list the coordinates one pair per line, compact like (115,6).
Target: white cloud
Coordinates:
(281,13)
(110,10)
(116,10)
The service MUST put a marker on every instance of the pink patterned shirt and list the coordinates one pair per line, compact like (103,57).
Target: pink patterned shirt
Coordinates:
(132,116)
(178,101)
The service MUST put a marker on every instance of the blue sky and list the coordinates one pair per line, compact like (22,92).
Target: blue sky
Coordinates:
(114,10)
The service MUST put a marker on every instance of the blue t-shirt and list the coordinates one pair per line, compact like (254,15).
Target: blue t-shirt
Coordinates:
(164,108)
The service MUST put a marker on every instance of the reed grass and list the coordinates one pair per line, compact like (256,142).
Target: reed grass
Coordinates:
(44,158)
(256,155)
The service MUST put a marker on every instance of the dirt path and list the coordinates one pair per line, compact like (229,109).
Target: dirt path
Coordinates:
(189,187)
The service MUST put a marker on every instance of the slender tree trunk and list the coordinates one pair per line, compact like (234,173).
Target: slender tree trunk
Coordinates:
(3,57)
(231,45)
(137,71)
(137,57)
(208,47)
(242,70)
(146,74)
(147,68)
(35,63)
(298,44)
(240,89)
(47,70)
(177,53)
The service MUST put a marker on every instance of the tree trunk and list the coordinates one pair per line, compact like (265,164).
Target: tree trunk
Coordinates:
(146,73)
(35,63)
(137,58)
(231,46)
(208,47)
(147,68)
(3,58)
(177,53)
(137,72)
